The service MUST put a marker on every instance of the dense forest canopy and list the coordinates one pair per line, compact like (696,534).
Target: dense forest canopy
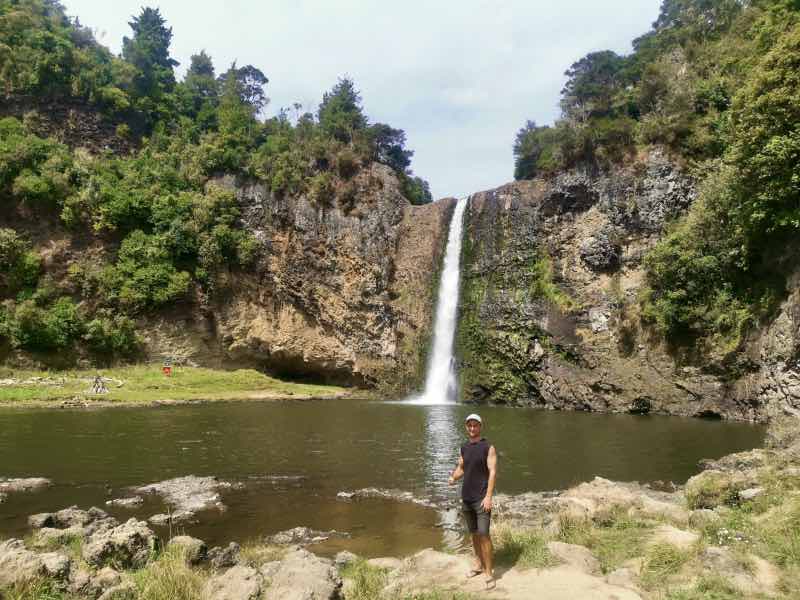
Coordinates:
(717,83)
(171,230)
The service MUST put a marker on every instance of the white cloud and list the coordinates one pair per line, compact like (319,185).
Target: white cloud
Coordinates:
(460,77)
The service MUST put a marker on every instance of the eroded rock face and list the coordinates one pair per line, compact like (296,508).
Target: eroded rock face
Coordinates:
(342,291)
(302,575)
(19,565)
(128,545)
(549,315)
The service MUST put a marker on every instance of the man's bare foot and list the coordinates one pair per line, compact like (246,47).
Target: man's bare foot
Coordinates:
(474,572)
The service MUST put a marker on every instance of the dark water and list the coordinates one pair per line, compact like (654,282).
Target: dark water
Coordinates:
(294,457)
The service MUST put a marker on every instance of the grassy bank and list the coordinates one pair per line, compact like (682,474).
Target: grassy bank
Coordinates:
(146,384)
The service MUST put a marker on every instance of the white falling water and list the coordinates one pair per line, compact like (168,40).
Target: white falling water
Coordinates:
(440,385)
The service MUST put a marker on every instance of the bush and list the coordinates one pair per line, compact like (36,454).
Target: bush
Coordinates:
(46,329)
(19,265)
(112,336)
(143,276)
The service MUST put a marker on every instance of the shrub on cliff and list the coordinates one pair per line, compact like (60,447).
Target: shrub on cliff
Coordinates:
(19,265)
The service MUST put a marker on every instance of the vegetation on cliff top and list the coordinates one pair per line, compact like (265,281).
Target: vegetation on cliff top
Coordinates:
(155,228)
(716,82)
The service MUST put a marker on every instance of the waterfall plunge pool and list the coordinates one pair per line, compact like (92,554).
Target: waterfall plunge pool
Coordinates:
(292,459)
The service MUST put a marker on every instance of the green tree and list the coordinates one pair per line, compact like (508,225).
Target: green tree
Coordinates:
(534,151)
(148,52)
(340,113)
(390,147)
(198,93)
(591,84)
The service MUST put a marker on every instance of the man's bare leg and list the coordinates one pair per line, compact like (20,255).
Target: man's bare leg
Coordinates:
(478,548)
(486,559)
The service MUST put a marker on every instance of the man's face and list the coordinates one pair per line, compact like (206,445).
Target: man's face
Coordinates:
(473,428)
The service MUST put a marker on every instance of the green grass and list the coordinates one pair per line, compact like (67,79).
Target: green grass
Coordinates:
(367,581)
(35,590)
(708,588)
(661,562)
(169,578)
(614,540)
(255,554)
(146,383)
(522,548)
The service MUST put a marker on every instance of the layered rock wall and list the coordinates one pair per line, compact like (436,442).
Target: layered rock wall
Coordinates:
(341,294)
(549,312)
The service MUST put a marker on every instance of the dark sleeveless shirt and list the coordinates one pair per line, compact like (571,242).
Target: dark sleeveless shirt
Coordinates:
(476,471)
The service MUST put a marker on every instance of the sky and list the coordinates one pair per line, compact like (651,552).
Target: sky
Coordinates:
(460,77)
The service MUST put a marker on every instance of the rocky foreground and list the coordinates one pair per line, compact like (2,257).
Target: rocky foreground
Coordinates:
(732,532)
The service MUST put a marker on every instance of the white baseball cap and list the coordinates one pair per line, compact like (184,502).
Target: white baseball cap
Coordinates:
(474,417)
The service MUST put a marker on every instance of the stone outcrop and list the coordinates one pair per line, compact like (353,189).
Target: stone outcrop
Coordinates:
(128,545)
(549,317)
(342,292)
(20,565)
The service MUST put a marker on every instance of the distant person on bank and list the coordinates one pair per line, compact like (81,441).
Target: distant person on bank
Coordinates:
(478,466)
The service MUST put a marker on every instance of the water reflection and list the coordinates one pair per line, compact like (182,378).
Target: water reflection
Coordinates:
(443,437)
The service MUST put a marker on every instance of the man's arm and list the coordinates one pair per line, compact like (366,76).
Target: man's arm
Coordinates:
(458,473)
(491,464)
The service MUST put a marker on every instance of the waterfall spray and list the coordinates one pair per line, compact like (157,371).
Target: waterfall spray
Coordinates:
(440,385)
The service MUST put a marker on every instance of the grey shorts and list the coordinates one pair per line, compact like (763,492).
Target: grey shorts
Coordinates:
(476,518)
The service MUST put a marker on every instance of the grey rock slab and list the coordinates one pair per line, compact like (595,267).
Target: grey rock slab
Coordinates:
(128,545)
(18,564)
(222,558)
(188,494)
(123,591)
(194,550)
(177,517)
(751,493)
(237,583)
(302,536)
(25,484)
(304,576)
(576,556)
(131,502)
(344,558)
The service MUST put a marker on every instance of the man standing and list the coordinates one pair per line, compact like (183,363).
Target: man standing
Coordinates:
(478,466)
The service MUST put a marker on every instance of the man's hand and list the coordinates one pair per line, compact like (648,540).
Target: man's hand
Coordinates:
(487,504)
(451,480)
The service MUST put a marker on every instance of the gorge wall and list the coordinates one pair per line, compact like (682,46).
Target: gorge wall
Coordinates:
(552,271)
(340,294)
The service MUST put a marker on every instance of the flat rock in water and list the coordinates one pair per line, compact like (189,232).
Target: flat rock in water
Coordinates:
(386,494)
(26,484)
(178,517)
(189,494)
(131,502)
(302,536)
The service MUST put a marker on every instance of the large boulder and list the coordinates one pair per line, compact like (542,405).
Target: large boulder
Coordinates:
(18,564)
(304,576)
(194,551)
(237,583)
(224,557)
(128,545)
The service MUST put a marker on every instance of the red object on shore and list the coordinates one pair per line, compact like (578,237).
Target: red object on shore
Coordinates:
(167,370)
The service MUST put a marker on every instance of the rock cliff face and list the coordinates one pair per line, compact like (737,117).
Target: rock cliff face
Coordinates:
(549,310)
(343,294)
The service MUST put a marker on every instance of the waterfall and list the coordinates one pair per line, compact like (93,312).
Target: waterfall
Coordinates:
(440,385)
